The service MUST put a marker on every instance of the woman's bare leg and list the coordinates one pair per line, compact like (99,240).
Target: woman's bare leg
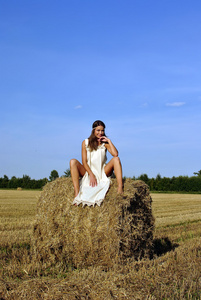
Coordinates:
(77,170)
(115,164)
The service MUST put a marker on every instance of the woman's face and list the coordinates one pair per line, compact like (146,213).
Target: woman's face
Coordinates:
(99,132)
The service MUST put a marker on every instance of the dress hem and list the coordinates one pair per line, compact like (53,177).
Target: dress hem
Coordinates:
(84,202)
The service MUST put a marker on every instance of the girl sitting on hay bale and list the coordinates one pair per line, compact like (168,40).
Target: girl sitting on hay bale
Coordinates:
(94,171)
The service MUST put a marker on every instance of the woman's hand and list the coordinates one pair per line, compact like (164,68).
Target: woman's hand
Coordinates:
(104,139)
(93,181)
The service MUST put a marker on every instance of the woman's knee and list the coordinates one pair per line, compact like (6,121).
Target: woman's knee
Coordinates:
(73,162)
(116,159)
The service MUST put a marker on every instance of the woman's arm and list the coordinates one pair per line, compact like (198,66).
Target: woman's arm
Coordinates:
(109,146)
(93,181)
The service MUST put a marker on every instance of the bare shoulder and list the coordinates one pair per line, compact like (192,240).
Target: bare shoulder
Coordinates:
(85,143)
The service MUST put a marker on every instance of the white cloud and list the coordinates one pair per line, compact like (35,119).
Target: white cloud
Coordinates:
(175,104)
(78,107)
(144,104)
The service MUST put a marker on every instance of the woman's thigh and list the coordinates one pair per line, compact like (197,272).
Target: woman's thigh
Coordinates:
(81,169)
(75,164)
(109,167)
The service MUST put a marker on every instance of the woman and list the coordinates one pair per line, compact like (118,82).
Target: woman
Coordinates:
(94,171)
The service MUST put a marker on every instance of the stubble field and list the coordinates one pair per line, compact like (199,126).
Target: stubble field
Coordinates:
(173,273)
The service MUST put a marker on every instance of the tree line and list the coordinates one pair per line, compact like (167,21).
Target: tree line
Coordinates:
(173,184)
(25,182)
(158,184)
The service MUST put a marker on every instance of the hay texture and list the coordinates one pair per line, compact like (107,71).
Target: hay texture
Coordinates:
(121,228)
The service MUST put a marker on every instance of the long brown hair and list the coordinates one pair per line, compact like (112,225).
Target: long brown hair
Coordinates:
(93,143)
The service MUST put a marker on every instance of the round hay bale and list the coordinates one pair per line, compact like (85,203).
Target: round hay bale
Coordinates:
(121,228)
(19,189)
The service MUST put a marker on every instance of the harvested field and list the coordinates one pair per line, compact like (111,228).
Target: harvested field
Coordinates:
(171,209)
(174,273)
(17,215)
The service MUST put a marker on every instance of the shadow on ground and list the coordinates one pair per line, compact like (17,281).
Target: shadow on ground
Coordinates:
(163,245)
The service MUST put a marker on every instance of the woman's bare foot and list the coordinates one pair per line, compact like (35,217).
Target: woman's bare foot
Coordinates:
(120,191)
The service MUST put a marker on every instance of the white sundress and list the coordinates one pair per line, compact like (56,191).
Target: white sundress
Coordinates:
(89,195)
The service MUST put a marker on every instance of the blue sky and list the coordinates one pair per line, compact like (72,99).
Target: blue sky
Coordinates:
(135,64)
